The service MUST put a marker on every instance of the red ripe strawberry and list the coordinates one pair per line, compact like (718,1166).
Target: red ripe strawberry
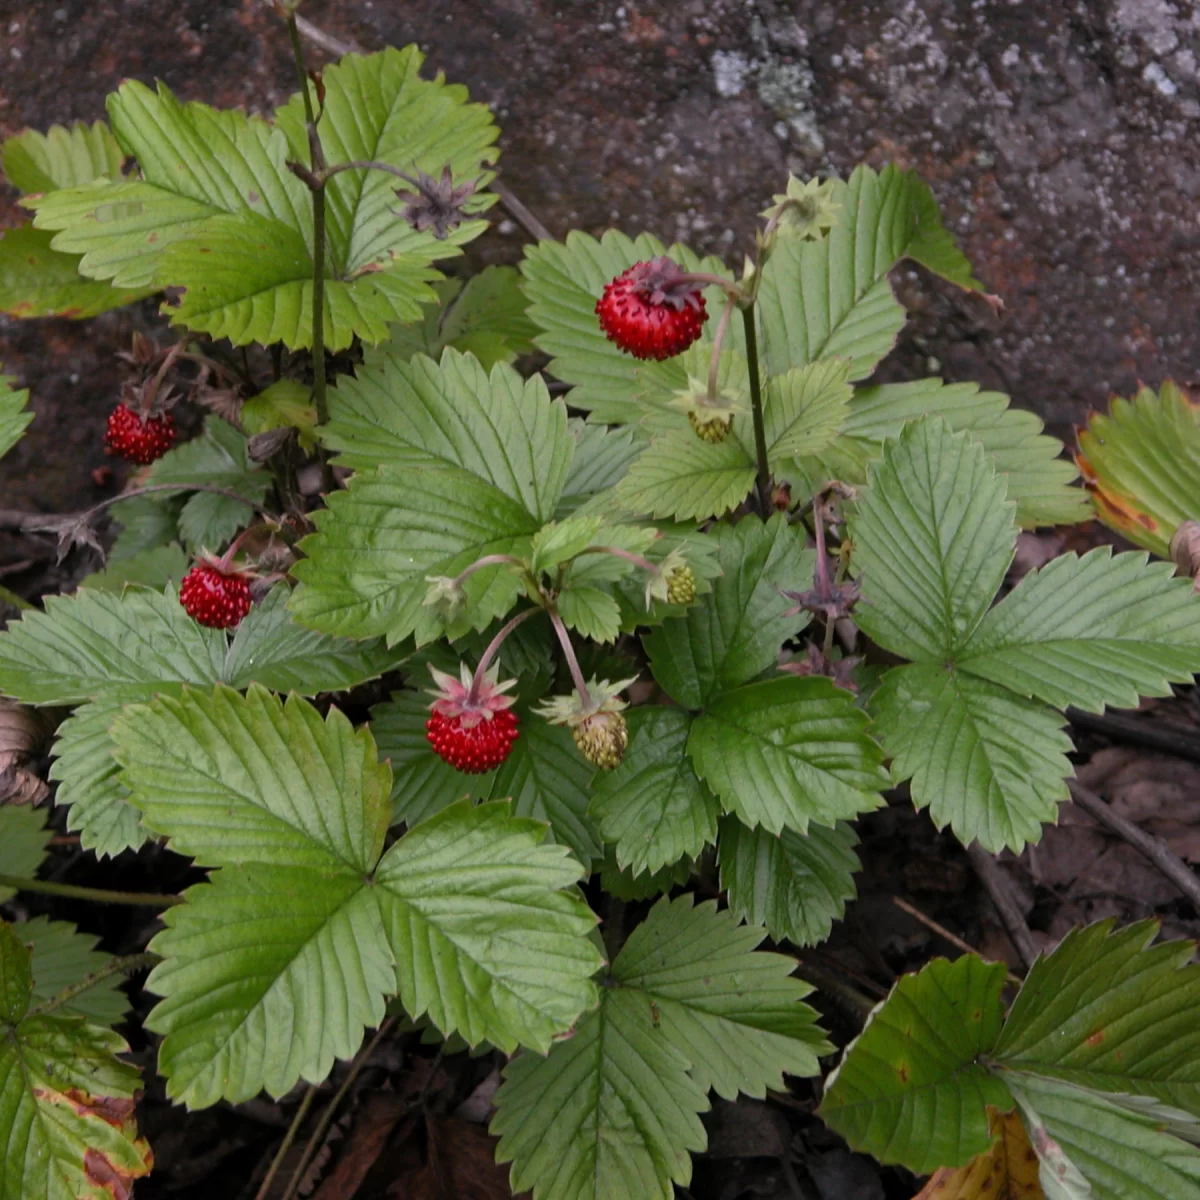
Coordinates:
(653,310)
(215,596)
(139,439)
(472,725)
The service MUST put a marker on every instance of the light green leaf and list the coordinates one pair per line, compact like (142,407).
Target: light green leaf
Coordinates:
(66,1101)
(933,538)
(500,428)
(796,885)
(561,541)
(910,1088)
(563,282)
(62,957)
(217,458)
(682,476)
(734,633)
(366,569)
(787,752)
(1142,465)
(269,648)
(1111,1150)
(152,568)
(62,157)
(1038,479)
(488,942)
(652,808)
(14,419)
(590,612)
(1091,631)
(285,404)
(97,643)
(602,457)
(1110,1012)
(23,841)
(38,281)
(611,1113)
(89,782)
(804,408)
(985,761)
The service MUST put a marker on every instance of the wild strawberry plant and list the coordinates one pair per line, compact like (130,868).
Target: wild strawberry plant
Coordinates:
(700,610)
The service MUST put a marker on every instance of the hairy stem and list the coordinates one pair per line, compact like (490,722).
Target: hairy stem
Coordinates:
(488,560)
(493,649)
(70,891)
(763,473)
(628,555)
(115,966)
(264,1189)
(564,640)
(714,362)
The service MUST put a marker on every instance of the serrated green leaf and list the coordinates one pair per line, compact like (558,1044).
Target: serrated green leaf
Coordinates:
(153,568)
(66,1101)
(625,885)
(1093,1148)
(285,404)
(734,633)
(910,1088)
(62,957)
(1141,463)
(1090,631)
(563,282)
(602,457)
(831,299)
(217,458)
(652,808)
(804,408)
(796,885)
(270,649)
(23,841)
(62,157)
(485,317)
(1038,480)
(366,569)
(38,281)
(500,428)
(97,643)
(788,751)
(590,612)
(14,419)
(489,943)
(1110,1012)
(682,476)
(985,761)
(612,1112)
(560,541)
(933,538)
(89,782)
(145,523)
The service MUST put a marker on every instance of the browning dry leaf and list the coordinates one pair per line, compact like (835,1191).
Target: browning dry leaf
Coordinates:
(1008,1171)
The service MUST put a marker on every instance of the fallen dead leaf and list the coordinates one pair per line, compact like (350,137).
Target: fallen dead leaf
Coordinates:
(460,1164)
(1008,1171)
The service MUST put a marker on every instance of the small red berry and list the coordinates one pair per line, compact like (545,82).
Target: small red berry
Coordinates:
(139,439)
(216,598)
(471,725)
(653,310)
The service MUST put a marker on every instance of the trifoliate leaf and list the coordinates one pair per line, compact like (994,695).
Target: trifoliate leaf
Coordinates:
(910,1088)
(66,1101)
(786,752)
(804,408)
(734,633)
(23,841)
(14,419)
(682,476)
(611,1112)
(563,282)
(1141,464)
(832,299)
(1008,1171)
(602,457)
(652,808)
(379,541)
(319,929)
(1108,1011)
(500,428)
(1101,629)
(985,761)
(485,317)
(217,458)
(933,537)
(152,568)
(63,957)
(796,885)
(1038,479)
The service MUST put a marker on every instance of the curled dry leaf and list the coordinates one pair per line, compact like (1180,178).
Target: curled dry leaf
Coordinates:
(1185,550)
(1008,1171)
(24,733)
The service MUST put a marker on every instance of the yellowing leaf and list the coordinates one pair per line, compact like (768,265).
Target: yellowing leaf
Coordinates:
(1008,1171)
